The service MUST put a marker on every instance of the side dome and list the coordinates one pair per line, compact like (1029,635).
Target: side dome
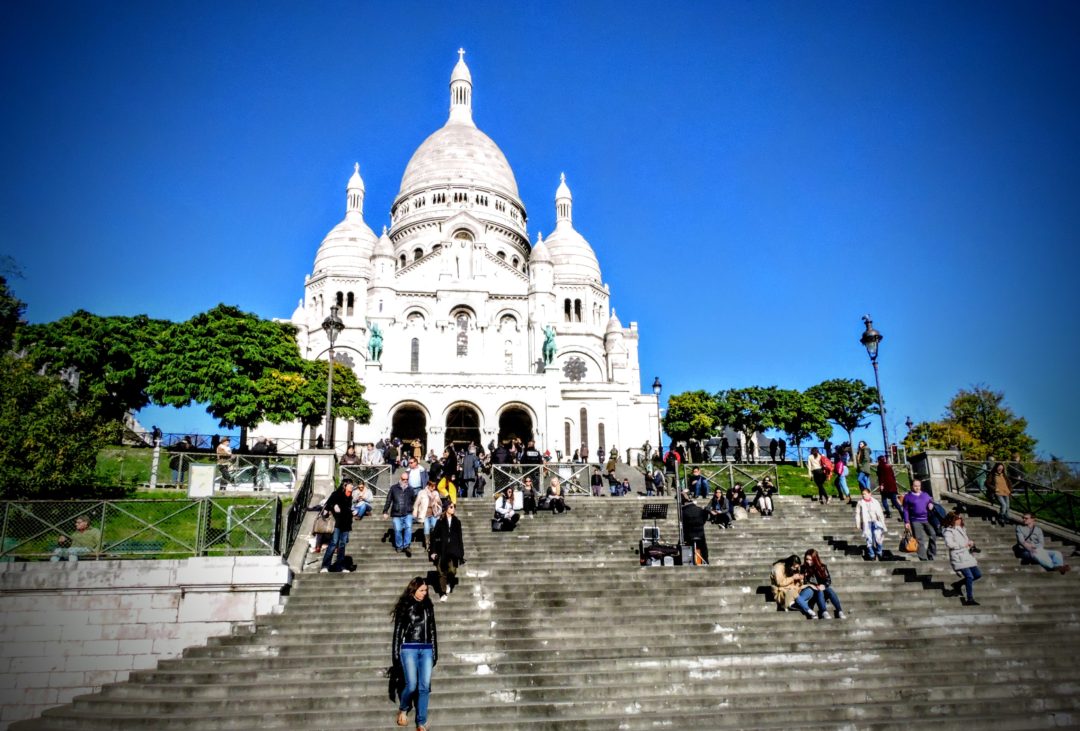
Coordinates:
(459,153)
(570,252)
(346,249)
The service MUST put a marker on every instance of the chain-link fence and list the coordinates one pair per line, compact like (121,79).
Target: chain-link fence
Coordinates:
(90,529)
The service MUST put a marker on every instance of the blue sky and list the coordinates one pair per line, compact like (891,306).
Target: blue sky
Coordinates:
(754,176)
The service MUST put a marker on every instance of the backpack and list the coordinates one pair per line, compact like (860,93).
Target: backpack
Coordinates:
(826,464)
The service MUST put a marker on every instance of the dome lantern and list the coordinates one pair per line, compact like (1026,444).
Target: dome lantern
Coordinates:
(563,202)
(355,192)
(461,92)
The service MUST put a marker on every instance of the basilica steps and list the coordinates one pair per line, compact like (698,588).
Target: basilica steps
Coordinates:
(555,626)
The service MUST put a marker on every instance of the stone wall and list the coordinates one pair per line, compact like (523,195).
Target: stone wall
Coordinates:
(68,628)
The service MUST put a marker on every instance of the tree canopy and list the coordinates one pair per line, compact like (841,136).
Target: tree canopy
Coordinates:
(106,353)
(800,417)
(846,402)
(979,424)
(749,410)
(11,312)
(302,396)
(691,415)
(217,358)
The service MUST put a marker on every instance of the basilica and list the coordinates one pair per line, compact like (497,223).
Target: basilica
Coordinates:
(459,327)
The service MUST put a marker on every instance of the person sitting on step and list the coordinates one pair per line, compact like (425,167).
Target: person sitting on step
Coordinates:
(556,498)
(818,582)
(361,498)
(787,585)
(763,493)
(1031,546)
(736,497)
(505,519)
(718,509)
(529,495)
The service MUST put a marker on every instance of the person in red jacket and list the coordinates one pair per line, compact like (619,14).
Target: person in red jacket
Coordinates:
(887,484)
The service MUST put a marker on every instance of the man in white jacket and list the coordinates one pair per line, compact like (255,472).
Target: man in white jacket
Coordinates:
(870,519)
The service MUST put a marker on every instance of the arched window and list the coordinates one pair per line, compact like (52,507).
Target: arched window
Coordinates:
(339,300)
(584,434)
(577,310)
(414,356)
(436,247)
(461,320)
(402,262)
(507,323)
(463,235)
(501,255)
(566,440)
(350,302)
(515,261)
(566,310)
(417,254)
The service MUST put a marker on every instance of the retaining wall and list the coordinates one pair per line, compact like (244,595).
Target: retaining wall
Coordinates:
(68,628)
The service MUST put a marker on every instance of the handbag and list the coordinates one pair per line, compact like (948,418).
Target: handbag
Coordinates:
(908,544)
(324,523)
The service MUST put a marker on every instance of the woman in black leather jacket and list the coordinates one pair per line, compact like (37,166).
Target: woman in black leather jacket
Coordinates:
(415,649)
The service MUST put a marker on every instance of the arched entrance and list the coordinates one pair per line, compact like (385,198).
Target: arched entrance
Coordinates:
(410,424)
(515,423)
(462,426)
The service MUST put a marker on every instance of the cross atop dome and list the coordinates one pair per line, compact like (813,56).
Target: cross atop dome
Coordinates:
(461,92)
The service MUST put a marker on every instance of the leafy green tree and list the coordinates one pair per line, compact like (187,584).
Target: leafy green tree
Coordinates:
(286,396)
(217,358)
(749,410)
(106,354)
(691,415)
(799,416)
(978,423)
(846,402)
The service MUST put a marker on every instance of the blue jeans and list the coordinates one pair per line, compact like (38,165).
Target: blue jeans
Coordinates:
(970,577)
(801,601)
(1003,507)
(361,509)
(841,486)
(864,481)
(429,525)
(417,661)
(872,532)
(827,593)
(890,497)
(338,540)
(402,532)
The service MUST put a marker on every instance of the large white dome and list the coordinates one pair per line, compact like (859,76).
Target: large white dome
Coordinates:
(346,249)
(459,154)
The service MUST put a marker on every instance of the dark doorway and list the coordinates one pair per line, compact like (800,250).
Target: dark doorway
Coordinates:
(515,423)
(410,424)
(462,426)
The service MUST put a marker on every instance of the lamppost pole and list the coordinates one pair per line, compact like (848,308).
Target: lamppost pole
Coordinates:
(332,326)
(657,388)
(870,339)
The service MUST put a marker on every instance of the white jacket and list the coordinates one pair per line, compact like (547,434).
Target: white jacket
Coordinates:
(867,512)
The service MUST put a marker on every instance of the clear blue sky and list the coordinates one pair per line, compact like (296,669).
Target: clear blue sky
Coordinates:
(754,176)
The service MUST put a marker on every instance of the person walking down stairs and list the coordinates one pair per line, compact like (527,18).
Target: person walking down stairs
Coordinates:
(870,521)
(415,651)
(447,550)
(961,558)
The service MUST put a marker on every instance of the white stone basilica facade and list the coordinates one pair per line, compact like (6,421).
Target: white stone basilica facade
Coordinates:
(461,300)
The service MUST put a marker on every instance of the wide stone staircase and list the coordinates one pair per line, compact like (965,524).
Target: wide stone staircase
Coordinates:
(556,626)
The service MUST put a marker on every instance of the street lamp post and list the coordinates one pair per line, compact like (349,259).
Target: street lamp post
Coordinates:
(656,389)
(332,326)
(870,339)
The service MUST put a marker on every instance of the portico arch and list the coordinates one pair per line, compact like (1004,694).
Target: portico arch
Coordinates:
(516,421)
(463,425)
(409,422)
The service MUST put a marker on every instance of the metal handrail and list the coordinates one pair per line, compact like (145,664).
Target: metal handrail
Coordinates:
(1055,506)
(298,509)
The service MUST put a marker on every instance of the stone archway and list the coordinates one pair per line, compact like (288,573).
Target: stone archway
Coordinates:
(515,423)
(409,424)
(462,426)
